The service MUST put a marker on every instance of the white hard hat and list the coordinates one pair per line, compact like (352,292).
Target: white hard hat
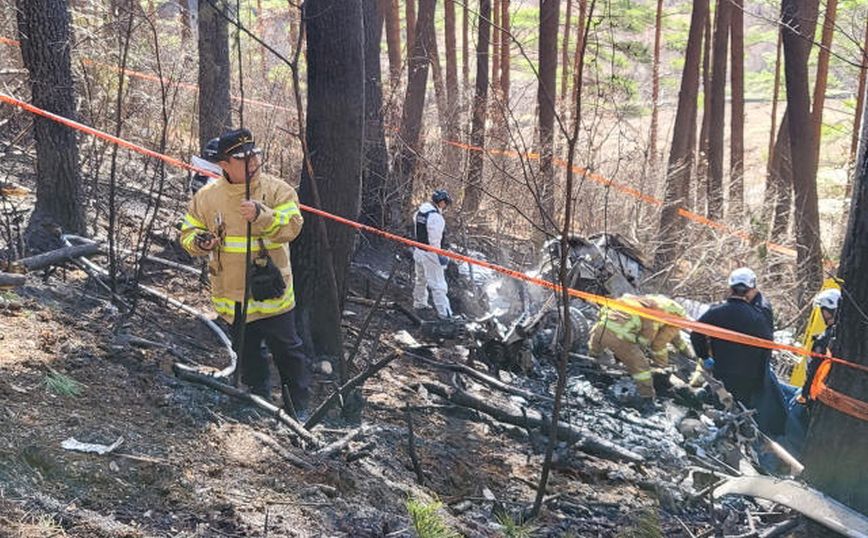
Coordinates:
(828,299)
(743,276)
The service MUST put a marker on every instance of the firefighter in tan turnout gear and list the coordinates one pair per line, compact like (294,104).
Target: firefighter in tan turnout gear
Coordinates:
(216,226)
(625,335)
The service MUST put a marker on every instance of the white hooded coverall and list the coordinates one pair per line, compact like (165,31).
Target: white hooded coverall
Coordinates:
(429,272)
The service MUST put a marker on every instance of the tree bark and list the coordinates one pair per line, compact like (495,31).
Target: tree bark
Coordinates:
(717,110)
(495,47)
(702,149)
(505,47)
(583,8)
(736,147)
(376,164)
(770,192)
(822,79)
(565,47)
(473,189)
(683,140)
(465,48)
(439,87)
(44,33)
(215,110)
(410,15)
(798,31)
(655,86)
(414,101)
(860,103)
(393,39)
(452,153)
(335,134)
(781,178)
(546,95)
(834,453)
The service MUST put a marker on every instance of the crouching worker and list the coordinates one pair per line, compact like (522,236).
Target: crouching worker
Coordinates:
(625,335)
(216,226)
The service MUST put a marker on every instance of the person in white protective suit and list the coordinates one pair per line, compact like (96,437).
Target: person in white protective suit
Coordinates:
(430,227)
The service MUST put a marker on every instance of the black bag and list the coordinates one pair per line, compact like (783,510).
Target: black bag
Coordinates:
(266,280)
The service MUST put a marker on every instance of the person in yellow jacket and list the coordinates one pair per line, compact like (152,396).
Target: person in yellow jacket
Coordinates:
(625,335)
(216,226)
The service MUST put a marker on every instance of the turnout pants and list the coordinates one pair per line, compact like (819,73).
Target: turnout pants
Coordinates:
(279,334)
(628,353)
(430,274)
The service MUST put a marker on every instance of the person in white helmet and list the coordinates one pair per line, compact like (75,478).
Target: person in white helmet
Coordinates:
(827,301)
(429,266)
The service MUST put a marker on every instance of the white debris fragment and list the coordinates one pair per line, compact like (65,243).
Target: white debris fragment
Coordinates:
(73,444)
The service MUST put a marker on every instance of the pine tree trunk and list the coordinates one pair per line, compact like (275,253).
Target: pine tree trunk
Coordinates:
(505,47)
(215,111)
(44,33)
(393,39)
(782,178)
(414,102)
(546,96)
(717,109)
(375,194)
(473,189)
(796,16)
(583,9)
(771,192)
(683,142)
(822,78)
(565,47)
(736,148)
(439,87)
(860,106)
(495,47)
(410,14)
(834,452)
(465,49)
(452,153)
(655,86)
(701,200)
(335,133)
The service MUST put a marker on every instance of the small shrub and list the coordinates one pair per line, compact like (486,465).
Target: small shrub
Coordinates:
(427,520)
(62,384)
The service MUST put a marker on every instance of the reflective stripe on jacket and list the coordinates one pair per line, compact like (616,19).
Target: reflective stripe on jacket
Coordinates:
(216,209)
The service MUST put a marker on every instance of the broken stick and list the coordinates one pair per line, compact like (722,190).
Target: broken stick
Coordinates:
(280,414)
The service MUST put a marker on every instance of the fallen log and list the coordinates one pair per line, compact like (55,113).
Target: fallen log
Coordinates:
(344,441)
(84,518)
(531,418)
(61,255)
(479,376)
(12,279)
(347,388)
(210,381)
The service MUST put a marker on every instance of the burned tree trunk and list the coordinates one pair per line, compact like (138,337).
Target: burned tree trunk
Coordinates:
(495,47)
(215,111)
(473,189)
(376,161)
(414,102)
(43,29)
(796,16)
(683,134)
(546,93)
(410,15)
(451,152)
(702,147)
(717,109)
(505,47)
(834,455)
(781,181)
(334,132)
(736,147)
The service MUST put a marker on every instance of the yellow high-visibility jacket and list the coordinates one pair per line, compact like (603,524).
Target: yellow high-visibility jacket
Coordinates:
(216,208)
(645,332)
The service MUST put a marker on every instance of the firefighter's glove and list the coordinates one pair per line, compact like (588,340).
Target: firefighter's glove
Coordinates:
(708,364)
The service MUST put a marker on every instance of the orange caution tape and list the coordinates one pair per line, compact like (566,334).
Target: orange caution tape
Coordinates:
(820,391)
(615,304)
(12,42)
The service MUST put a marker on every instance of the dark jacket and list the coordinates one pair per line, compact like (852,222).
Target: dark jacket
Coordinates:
(740,367)
(822,345)
(766,307)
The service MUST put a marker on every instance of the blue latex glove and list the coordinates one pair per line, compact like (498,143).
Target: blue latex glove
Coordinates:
(444,261)
(708,363)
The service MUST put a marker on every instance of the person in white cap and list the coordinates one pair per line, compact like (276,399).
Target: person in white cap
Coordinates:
(741,368)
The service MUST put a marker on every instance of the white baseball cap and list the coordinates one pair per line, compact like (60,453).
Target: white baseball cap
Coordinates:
(742,276)
(828,299)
